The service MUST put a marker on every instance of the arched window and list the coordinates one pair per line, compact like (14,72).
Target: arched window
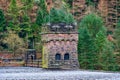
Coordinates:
(66,56)
(58,56)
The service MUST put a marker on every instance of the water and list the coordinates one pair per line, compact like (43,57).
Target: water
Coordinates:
(29,73)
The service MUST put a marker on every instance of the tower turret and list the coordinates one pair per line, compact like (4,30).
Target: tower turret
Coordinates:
(60,46)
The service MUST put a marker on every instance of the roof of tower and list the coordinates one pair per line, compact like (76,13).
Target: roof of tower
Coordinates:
(61,27)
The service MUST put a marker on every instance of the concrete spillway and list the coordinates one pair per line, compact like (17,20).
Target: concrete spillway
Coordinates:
(29,73)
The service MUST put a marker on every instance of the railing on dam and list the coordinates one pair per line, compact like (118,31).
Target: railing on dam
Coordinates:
(33,63)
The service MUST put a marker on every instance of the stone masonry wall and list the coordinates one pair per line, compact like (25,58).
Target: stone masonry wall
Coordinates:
(62,44)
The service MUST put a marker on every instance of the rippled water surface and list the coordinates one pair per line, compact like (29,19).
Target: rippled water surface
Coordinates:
(29,73)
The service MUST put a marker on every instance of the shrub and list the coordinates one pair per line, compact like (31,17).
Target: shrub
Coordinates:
(59,16)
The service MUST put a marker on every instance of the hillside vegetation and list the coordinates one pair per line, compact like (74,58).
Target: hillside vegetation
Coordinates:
(21,22)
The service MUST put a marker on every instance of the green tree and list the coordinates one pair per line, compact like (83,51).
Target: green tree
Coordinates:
(108,58)
(26,26)
(59,16)
(95,51)
(42,5)
(93,23)
(40,20)
(100,41)
(117,36)
(27,5)
(42,12)
(105,51)
(2,29)
(13,13)
(14,17)
(2,21)
(87,56)
(84,40)
(94,28)
(117,41)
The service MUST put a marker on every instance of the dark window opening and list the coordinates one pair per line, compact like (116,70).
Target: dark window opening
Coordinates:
(57,56)
(32,57)
(66,56)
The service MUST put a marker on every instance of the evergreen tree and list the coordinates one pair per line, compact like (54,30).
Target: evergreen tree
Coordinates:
(13,11)
(93,23)
(40,18)
(2,29)
(2,21)
(42,12)
(95,51)
(117,41)
(105,51)
(108,58)
(100,41)
(84,40)
(117,36)
(26,26)
(12,16)
(87,56)
(27,5)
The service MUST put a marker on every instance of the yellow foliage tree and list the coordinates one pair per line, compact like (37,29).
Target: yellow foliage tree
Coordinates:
(15,43)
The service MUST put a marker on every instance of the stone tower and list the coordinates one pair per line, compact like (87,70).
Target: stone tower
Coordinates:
(60,46)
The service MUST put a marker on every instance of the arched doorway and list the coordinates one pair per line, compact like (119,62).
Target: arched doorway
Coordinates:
(58,56)
(32,57)
(66,56)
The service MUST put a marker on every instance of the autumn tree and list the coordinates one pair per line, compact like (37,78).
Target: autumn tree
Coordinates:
(15,43)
